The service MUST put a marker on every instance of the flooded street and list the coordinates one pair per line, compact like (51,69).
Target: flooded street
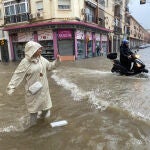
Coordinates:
(104,111)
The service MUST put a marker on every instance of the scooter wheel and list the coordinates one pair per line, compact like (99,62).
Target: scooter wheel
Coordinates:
(113,70)
(145,70)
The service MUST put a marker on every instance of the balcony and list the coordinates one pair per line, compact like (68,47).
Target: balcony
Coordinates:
(118,2)
(118,15)
(89,18)
(101,3)
(92,3)
(128,31)
(117,30)
(101,22)
(16,18)
(118,12)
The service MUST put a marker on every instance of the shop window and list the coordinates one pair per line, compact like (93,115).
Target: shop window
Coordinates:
(48,50)
(104,47)
(89,49)
(97,48)
(80,49)
(19,50)
(64,4)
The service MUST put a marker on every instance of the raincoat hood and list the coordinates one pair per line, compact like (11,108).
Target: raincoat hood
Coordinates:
(30,48)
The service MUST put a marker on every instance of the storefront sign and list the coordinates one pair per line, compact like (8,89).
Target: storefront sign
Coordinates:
(24,37)
(89,36)
(64,34)
(80,34)
(45,35)
(104,37)
(97,37)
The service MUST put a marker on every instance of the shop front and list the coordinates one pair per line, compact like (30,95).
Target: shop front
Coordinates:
(45,38)
(18,43)
(104,47)
(80,37)
(65,40)
(4,55)
(71,40)
(89,45)
(97,44)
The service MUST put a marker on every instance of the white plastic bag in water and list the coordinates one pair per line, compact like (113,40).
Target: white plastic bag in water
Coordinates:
(59,123)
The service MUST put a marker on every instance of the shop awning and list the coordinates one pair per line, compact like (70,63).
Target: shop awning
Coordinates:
(73,24)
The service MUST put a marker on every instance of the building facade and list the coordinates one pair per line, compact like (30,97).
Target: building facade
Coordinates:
(75,29)
(59,26)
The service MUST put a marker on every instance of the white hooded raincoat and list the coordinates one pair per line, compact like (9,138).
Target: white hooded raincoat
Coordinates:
(30,70)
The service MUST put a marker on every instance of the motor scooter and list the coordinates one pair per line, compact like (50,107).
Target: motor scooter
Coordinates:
(137,67)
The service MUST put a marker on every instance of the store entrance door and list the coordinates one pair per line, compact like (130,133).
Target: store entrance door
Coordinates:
(66,47)
(19,50)
(4,53)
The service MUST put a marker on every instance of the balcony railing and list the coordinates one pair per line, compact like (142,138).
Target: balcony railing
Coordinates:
(118,15)
(89,18)
(93,3)
(101,2)
(117,30)
(16,18)
(118,2)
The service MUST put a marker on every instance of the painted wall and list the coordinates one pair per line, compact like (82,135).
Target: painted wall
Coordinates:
(51,10)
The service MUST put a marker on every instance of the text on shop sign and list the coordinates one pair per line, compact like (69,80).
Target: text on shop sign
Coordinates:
(65,34)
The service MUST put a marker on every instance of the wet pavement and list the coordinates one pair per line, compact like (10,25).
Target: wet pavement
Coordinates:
(104,110)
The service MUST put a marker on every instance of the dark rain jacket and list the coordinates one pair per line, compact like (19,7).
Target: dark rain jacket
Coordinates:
(125,52)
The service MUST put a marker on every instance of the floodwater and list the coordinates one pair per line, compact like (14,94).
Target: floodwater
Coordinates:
(104,111)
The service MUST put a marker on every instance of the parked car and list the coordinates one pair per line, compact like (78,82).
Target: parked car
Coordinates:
(142,47)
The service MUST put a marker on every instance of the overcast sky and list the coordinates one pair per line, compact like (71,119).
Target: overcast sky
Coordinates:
(140,12)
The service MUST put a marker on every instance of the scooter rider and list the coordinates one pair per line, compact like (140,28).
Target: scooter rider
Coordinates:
(126,55)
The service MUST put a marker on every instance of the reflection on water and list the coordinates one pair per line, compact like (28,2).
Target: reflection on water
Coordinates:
(104,111)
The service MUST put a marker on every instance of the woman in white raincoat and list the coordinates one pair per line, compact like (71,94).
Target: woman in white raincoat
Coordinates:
(33,68)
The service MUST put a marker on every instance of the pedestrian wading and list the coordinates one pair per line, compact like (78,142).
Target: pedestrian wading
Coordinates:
(33,69)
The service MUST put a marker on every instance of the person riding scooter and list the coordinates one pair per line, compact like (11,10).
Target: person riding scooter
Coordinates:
(126,55)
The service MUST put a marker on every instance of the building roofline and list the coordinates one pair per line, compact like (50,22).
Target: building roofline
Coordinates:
(136,21)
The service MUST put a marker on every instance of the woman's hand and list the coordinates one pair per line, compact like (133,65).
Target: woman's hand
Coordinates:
(58,57)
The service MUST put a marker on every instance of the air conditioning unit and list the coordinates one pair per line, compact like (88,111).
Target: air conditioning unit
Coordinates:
(83,11)
(39,14)
(32,16)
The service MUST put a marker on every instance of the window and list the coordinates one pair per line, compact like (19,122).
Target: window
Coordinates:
(102,2)
(7,12)
(12,8)
(16,12)
(39,6)
(22,8)
(89,14)
(64,4)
